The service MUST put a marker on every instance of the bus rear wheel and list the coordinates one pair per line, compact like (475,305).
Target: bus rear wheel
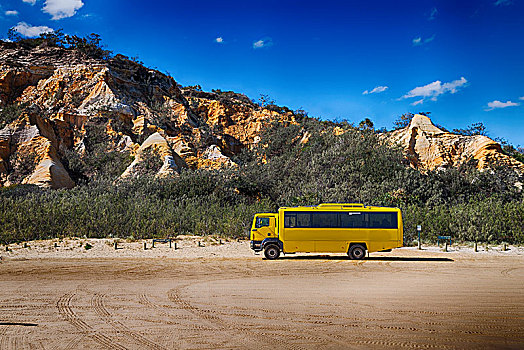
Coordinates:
(271,252)
(357,252)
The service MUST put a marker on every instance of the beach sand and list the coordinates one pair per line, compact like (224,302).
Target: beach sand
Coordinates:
(222,296)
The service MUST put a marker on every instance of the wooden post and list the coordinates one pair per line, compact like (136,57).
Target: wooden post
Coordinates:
(6,248)
(419,228)
(476,250)
(153,244)
(145,245)
(199,244)
(220,242)
(56,245)
(175,245)
(170,243)
(504,247)
(446,247)
(25,244)
(116,245)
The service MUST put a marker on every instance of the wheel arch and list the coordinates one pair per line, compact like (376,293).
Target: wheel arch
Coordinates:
(272,240)
(351,244)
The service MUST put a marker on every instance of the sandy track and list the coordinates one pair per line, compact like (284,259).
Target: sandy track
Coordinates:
(404,299)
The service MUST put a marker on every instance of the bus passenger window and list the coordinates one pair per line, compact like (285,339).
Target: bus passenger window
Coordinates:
(303,220)
(290,221)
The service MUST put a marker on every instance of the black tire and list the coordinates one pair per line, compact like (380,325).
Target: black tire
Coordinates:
(357,252)
(271,252)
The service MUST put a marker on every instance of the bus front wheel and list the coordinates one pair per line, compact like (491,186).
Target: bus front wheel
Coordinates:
(271,252)
(357,252)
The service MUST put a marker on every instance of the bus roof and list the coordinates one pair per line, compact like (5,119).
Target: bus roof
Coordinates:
(339,206)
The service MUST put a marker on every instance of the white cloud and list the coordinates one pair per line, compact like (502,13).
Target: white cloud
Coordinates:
(498,104)
(419,41)
(418,102)
(11,13)
(521,98)
(258,44)
(266,42)
(433,14)
(32,2)
(435,89)
(503,2)
(219,40)
(30,31)
(59,9)
(376,90)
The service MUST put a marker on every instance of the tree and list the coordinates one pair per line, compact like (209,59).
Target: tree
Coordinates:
(366,124)
(55,38)
(13,35)
(89,45)
(265,100)
(473,129)
(402,121)
(510,150)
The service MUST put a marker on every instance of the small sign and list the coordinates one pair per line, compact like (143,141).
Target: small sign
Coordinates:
(419,228)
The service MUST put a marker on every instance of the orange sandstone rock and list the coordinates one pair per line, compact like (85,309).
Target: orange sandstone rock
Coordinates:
(428,147)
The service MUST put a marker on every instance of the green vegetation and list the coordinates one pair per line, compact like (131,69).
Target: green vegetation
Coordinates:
(10,113)
(464,203)
(89,45)
(96,159)
(403,121)
(195,202)
(473,129)
(510,150)
(23,165)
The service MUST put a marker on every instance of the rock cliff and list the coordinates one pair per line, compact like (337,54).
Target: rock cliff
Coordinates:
(61,108)
(60,93)
(428,147)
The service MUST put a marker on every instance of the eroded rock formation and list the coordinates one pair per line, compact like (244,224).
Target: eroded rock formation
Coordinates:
(428,147)
(142,110)
(64,105)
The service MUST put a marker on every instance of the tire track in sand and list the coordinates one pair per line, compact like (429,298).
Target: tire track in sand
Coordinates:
(144,300)
(65,310)
(208,316)
(97,303)
(15,336)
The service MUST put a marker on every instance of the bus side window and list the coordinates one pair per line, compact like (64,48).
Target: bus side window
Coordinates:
(383,220)
(351,220)
(303,220)
(290,221)
(261,222)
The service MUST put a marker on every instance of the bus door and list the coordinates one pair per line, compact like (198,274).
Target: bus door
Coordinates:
(265,226)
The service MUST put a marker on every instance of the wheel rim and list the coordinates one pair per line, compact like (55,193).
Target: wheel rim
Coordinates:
(272,252)
(358,253)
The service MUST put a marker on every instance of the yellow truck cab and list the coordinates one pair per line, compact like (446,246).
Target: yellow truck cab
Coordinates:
(350,228)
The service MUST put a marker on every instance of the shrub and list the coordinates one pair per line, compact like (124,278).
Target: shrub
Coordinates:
(10,113)
(283,169)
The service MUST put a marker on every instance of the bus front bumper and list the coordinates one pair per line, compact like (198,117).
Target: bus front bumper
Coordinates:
(256,246)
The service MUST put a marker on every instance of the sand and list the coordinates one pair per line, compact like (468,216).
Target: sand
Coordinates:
(222,296)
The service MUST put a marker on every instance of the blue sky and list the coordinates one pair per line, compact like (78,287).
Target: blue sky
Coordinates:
(460,60)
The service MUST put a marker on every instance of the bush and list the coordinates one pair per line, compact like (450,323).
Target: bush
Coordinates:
(10,113)
(282,170)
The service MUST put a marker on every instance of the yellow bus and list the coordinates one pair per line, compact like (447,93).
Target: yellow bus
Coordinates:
(350,228)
